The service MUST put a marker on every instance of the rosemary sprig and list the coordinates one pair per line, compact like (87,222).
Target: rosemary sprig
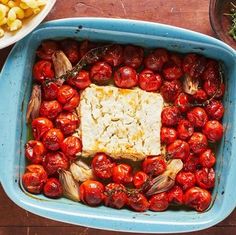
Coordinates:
(232,14)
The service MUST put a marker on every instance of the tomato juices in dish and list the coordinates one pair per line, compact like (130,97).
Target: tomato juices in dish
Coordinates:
(111,92)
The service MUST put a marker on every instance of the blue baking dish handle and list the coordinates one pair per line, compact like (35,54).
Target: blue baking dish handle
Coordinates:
(99,25)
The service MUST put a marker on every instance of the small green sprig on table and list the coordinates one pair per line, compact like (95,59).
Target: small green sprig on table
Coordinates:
(232,14)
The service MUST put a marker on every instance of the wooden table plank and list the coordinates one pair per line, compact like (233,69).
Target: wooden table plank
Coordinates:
(189,14)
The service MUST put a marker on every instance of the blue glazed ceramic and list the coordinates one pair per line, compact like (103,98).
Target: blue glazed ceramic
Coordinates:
(15,88)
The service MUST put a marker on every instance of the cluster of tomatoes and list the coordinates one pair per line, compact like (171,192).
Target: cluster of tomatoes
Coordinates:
(189,124)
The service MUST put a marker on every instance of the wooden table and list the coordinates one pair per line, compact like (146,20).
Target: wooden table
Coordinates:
(190,14)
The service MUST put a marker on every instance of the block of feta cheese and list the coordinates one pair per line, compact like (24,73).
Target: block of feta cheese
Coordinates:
(123,123)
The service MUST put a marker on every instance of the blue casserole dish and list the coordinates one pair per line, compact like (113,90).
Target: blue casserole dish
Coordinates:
(15,88)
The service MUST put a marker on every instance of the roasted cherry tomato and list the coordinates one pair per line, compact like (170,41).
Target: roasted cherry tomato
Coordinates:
(149,81)
(197,117)
(214,88)
(126,77)
(101,73)
(212,71)
(71,146)
(34,151)
(184,129)
(43,70)
(159,202)
(215,109)
(71,48)
(198,66)
(46,50)
(140,178)
(207,158)
(52,139)
(69,97)
(179,149)
(67,122)
(176,59)
(53,188)
(192,163)
(172,71)
(186,179)
(50,90)
(205,178)
(198,142)
(200,96)
(115,195)
(197,198)
(168,135)
(91,192)
(81,80)
(114,55)
(40,126)
(170,116)
(138,202)
(188,61)
(122,174)
(50,109)
(34,178)
(213,130)
(176,195)
(85,47)
(182,102)
(156,59)
(133,56)
(102,165)
(154,165)
(171,90)
(54,161)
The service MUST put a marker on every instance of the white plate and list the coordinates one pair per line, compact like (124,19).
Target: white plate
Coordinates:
(28,25)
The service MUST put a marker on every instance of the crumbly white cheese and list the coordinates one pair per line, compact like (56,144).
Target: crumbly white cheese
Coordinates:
(123,123)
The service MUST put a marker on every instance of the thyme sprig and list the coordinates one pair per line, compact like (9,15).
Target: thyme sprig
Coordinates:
(232,14)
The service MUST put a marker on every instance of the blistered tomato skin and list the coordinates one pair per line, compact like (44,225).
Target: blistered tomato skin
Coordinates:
(115,195)
(81,80)
(198,143)
(40,126)
(34,178)
(102,165)
(52,139)
(67,122)
(171,90)
(170,116)
(122,174)
(125,77)
(207,158)
(184,129)
(138,202)
(205,178)
(34,151)
(53,188)
(140,178)
(46,50)
(215,109)
(176,195)
(171,71)
(200,96)
(50,109)
(213,131)
(192,163)
(159,202)
(188,61)
(182,102)
(91,192)
(50,90)
(198,67)
(197,198)
(133,56)
(186,180)
(101,73)
(149,81)
(54,161)
(43,70)
(71,146)
(154,165)
(197,117)
(71,48)
(114,55)
(179,149)
(168,135)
